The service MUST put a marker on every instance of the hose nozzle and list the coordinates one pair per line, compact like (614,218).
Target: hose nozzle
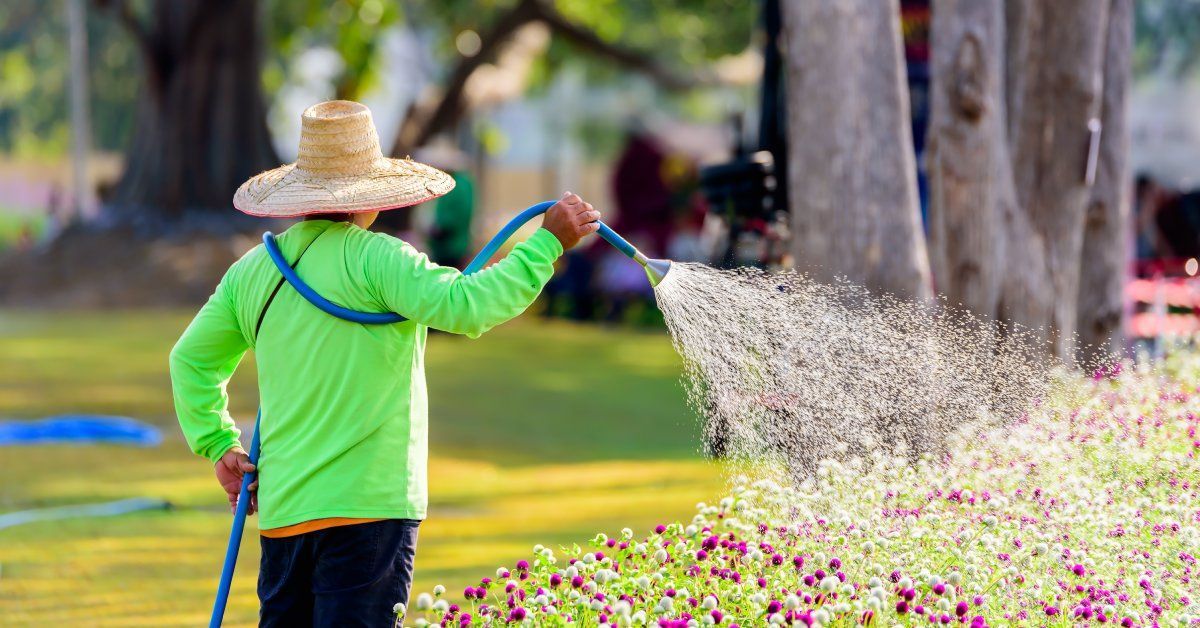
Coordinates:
(656,269)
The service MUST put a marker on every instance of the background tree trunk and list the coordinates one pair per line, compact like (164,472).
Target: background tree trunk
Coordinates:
(1106,237)
(851,168)
(1015,85)
(1058,92)
(966,153)
(201,127)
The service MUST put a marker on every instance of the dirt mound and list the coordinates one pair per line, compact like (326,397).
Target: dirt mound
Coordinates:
(118,268)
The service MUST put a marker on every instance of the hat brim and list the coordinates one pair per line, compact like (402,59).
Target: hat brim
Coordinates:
(288,192)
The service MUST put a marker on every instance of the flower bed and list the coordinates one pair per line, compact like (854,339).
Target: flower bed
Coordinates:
(1085,510)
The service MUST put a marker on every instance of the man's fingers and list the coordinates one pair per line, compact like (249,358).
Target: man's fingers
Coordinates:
(591,227)
(588,216)
(583,207)
(245,465)
(254,486)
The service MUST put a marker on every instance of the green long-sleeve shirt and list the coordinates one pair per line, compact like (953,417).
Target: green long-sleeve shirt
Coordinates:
(344,410)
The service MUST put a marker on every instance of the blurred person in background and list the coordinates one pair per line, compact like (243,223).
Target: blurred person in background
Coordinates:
(449,237)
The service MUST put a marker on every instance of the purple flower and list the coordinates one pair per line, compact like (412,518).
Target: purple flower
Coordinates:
(555,579)
(961,609)
(1078,570)
(522,565)
(901,607)
(1051,611)
(939,588)
(717,616)
(660,528)
(577,581)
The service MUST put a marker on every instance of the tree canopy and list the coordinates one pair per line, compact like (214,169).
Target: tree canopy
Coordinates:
(679,36)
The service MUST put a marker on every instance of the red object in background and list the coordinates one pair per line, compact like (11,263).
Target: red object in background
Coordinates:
(914,25)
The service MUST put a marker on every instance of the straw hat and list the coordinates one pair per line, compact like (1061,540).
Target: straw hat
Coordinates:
(340,169)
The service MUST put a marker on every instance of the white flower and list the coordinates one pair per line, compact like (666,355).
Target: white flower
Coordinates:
(421,622)
(643,582)
(626,533)
(709,603)
(439,590)
(500,571)
(791,603)
(399,609)
(441,606)
(829,583)
(424,602)
(661,555)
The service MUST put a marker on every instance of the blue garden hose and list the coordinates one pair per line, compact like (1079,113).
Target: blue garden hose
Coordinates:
(656,270)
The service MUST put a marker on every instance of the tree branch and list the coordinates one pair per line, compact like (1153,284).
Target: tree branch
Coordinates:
(632,59)
(426,120)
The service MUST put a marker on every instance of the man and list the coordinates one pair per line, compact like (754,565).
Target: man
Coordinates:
(342,470)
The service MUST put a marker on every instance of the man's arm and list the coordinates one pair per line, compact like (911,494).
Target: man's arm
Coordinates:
(202,362)
(407,283)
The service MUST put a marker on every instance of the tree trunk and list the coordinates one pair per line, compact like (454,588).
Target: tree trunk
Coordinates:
(1058,92)
(854,203)
(202,120)
(966,153)
(1106,237)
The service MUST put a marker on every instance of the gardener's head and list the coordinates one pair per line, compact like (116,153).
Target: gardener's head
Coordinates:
(340,171)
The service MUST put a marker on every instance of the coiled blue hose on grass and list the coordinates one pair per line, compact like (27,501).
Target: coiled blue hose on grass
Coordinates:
(655,270)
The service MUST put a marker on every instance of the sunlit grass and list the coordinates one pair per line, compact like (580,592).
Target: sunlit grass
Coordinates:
(566,431)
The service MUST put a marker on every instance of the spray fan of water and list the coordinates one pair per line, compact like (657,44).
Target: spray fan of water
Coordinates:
(787,372)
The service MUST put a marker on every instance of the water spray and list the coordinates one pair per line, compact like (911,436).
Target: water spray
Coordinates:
(656,271)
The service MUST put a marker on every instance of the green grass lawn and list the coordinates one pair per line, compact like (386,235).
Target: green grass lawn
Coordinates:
(540,433)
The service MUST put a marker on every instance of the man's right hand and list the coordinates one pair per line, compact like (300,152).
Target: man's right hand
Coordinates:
(570,219)
(230,469)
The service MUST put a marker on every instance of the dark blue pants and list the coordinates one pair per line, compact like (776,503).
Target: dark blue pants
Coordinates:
(343,576)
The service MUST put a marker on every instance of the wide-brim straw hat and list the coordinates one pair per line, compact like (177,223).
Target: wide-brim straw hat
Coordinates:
(340,169)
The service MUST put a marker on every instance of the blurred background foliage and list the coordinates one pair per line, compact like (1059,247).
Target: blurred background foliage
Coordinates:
(34,63)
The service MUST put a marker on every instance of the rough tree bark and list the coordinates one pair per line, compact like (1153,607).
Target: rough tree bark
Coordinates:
(1015,85)
(1106,237)
(855,212)
(1058,91)
(201,117)
(966,151)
